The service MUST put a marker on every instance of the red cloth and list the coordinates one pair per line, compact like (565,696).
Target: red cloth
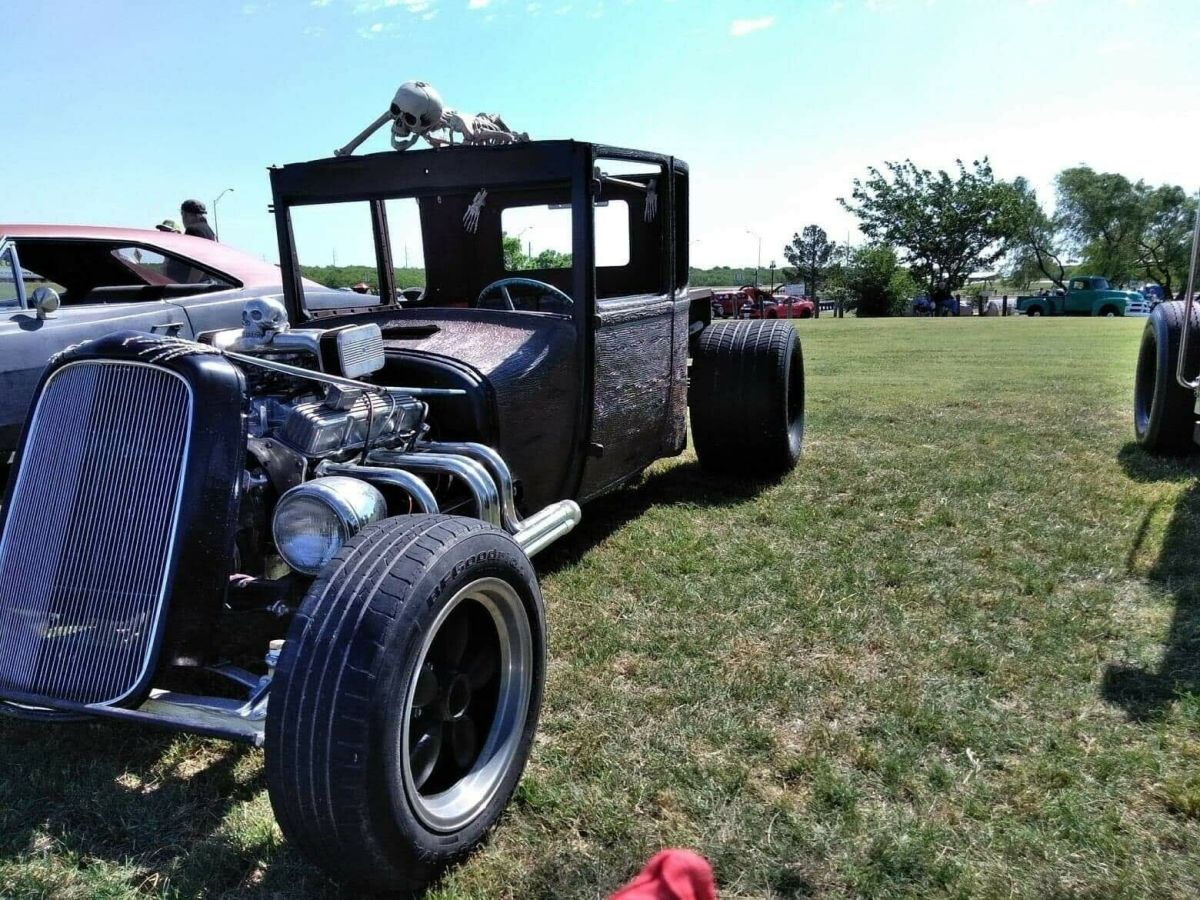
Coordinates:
(672,875)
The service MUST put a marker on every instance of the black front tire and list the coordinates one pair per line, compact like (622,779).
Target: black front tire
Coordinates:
(747,397)
(396,696)
(1163,411)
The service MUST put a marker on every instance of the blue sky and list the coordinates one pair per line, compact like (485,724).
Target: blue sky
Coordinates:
(116,112)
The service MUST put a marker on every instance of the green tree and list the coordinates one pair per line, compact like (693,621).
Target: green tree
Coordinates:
(1163,244)
(809,253)
(946,225)
(516,260)
(514,255)
(1101,214)
(551,259)
(1037,243)
(876,282)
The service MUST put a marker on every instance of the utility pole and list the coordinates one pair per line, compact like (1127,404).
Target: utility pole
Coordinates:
(758,264)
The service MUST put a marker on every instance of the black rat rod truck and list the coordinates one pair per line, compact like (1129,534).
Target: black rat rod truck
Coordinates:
(314,533)
(1166,402)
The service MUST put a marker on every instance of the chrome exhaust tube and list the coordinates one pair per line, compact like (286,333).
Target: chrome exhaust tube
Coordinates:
(471,473)
(547,525)
(490,481)
(496,465)
(412,484)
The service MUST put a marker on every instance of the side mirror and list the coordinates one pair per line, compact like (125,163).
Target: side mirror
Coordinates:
(45,302)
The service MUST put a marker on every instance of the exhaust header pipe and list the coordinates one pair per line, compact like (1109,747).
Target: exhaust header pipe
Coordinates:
(488,478)
(547,525)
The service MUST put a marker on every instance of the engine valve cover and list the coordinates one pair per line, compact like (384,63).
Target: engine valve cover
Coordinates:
(317,427)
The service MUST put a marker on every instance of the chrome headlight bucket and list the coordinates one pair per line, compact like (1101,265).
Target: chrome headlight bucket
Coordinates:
(313,520)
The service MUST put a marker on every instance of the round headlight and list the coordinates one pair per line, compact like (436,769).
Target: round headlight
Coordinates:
(314,519)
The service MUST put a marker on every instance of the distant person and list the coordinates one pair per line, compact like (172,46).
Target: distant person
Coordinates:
(1004,306)
(169,225)
(194,221)
(940,297)
(958,304)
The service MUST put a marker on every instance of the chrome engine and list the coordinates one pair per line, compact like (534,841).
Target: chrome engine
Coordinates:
(315,420)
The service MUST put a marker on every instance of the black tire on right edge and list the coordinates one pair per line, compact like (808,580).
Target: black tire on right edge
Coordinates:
(1163,411)
(747,397)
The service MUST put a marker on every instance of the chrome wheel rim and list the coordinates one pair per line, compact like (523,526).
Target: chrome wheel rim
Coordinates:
(466,708)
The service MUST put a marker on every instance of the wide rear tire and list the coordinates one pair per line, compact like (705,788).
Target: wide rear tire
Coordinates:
(405,700)
(1163,411)
(747,398)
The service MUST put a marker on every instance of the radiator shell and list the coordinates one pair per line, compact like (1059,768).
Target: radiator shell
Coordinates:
(132,554)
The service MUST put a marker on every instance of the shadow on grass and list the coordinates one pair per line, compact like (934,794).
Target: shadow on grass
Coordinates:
(1146,694)
(153,804)
(1146,467)
(685,484)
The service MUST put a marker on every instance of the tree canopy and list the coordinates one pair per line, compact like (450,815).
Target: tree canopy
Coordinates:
(1121,229)
(945,225)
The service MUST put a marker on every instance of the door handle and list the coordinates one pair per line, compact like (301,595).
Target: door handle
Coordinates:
(171,329)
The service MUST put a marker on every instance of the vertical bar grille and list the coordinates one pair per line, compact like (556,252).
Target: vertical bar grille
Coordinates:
(87,545)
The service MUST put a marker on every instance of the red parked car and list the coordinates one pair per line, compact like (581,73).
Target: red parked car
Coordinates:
(760,304)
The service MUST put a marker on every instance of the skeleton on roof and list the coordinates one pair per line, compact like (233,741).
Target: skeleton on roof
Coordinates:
(417,111)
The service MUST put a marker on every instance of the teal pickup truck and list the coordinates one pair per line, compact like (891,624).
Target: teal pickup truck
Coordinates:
(1086,295)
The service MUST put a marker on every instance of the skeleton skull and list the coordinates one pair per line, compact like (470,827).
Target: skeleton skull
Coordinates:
(415,109)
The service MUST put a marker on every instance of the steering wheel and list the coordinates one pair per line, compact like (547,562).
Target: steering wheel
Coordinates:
(501,287)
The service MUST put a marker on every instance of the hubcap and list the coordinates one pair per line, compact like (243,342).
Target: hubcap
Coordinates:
(467,707)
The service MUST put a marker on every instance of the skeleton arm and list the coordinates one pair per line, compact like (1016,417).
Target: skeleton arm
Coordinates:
(364,134)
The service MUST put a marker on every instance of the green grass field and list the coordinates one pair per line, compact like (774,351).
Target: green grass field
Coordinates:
(954,654)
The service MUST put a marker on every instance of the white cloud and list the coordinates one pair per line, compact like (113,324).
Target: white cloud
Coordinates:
(477,4)
(412,6)
(319,3)
(743,27)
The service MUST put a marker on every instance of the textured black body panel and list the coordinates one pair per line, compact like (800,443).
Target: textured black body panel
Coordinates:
(631,390)
(674,438)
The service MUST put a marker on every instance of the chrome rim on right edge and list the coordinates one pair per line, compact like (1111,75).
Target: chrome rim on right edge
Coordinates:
(467,706)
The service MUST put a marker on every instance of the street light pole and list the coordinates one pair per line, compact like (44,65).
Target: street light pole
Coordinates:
(758,264)
(216,225)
